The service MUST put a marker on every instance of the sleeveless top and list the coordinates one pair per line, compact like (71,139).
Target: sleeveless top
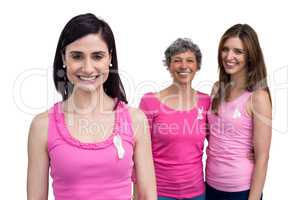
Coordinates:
(91,171)
(229,165)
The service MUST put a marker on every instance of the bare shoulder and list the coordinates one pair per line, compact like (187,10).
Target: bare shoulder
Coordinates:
(39,127)
(139,123)
(260,97)
(137,115)
(40,120)
(260,103)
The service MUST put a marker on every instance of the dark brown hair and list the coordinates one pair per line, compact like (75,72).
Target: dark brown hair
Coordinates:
(78,27)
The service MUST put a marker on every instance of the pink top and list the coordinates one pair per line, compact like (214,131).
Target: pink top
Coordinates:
(90,171)
(177,146)
(229,167)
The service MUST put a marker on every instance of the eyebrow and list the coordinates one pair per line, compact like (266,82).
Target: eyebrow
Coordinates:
(99,52)
(238,49)
(226,47)
(94,53)
(75,52)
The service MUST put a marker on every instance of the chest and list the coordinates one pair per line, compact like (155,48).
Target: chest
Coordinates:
(169,126)
(90,129)
(75,164)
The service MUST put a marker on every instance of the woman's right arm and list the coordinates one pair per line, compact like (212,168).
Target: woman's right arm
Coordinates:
(38,160)
(213,92)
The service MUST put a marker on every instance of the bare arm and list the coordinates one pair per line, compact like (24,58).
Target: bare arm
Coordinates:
(145,188)
(38,161)
(262,130)
(213,92)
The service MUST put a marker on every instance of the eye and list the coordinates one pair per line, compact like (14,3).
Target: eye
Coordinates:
(76,56)
(176,60)
(97,57)
(225,49)
(238,51)
(191,61)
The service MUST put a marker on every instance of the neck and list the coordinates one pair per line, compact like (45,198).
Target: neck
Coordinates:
(184,91)
(238,80)
(88,102)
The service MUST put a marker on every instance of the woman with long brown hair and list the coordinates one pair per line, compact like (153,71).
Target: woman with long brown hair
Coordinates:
(239,119)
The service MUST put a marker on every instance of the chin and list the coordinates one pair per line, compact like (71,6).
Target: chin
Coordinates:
(231,71)
(87,88)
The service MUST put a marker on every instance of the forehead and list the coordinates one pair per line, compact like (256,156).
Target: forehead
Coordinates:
(234,42)
(185,54)
(88,43)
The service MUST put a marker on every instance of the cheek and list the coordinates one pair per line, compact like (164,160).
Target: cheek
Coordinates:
(194,67)
(172,68)
(175,66)
(104,69)
(71,69)
(223,56)
(103,65)
(242,60)
(70,75)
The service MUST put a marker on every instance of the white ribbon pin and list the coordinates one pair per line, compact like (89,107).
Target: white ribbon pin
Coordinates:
(117,140)
(236,114)
(200,113)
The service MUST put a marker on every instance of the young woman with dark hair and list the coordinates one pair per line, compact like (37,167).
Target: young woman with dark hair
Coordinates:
(91,140)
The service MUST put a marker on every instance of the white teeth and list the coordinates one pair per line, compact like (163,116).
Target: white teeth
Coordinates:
(183,73)
(87,78)
(230,64)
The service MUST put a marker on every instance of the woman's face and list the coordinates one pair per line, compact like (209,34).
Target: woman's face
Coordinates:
(233,56)
(183,67)
(87,61)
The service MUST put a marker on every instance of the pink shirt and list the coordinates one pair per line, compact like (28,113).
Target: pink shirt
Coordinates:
(90,171)
(229,167)
(177,146)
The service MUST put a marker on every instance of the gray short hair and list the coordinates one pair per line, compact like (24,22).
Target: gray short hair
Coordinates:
(182,45)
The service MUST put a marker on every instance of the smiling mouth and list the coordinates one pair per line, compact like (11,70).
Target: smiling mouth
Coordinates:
(230,64)
(184,73)
(87,78)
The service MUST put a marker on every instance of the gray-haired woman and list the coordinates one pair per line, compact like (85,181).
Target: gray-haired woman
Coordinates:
(177,120)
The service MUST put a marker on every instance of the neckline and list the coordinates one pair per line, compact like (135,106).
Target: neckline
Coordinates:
(175,110)
(68,137)
(237,98)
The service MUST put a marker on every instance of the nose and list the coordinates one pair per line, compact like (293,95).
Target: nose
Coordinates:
(88,67)
(184,65)
(230,55)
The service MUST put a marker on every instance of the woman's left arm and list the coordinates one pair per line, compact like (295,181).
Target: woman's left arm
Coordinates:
(145,188)
(261,110)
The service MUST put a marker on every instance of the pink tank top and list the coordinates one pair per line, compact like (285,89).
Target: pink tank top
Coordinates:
(177,146)
(229,166)
(91,171)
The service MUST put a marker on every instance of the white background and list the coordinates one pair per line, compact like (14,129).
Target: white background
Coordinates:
(143,30)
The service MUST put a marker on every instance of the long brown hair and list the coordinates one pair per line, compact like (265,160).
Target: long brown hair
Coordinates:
(255,64)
